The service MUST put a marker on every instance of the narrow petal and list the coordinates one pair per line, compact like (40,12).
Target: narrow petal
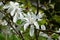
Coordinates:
(21,16)
(15,18)
(6,6)
(1,3)
(11,3)
(9,9)
(29,14)
(25,26)
(43,34)
(43,27)
(12,12)
(32,30)
(36,24)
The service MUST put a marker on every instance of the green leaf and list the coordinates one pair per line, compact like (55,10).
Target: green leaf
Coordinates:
(42,22)
(19,22)
(56,18)
(55,36)
(2,36)
(42,38)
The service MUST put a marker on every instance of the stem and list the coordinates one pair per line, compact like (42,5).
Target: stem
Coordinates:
(49,31)
(36,34)
(36,31)
(37,7)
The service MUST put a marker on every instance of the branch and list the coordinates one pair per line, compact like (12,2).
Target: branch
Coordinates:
(49,31)
(37,7)
(36,31)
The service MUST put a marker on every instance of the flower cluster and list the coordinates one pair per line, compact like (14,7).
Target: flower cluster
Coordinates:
(30,19)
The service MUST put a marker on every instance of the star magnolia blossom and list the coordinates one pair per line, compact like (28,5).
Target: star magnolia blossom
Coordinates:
(14,10)
(12,7)
(31,19)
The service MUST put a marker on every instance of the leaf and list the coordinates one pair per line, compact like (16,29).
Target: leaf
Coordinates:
(42,22)
(2,37)
(19,22)
(56,18)
(55,36)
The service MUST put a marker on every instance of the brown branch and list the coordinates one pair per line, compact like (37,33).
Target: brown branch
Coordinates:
(36,31)
(37,7)
(49,31)
(36,34)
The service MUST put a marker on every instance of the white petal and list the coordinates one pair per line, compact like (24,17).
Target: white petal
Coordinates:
(12,12)
(1,3)
(21,16)
(27,20)
(43,34)
(29,14)
(39,19)
(59,37)
(40,15)
(4,23)
(9,10)
(59,29)
(11,3)
(16,4)
(36,24)
(19,10)
(31,30)
(43,27)
(15,18)
(25,14)
(25,26)
(6,6)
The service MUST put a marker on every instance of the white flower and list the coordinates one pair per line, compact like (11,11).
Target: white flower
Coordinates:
(14,10)
(30,19)
(43,27)
(12,7)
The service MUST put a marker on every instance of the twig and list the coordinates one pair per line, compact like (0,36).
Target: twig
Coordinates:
(36,34)
(49,31)
(37,7)
(36,31)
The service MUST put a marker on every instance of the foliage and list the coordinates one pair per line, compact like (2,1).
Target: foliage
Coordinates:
(29,19)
